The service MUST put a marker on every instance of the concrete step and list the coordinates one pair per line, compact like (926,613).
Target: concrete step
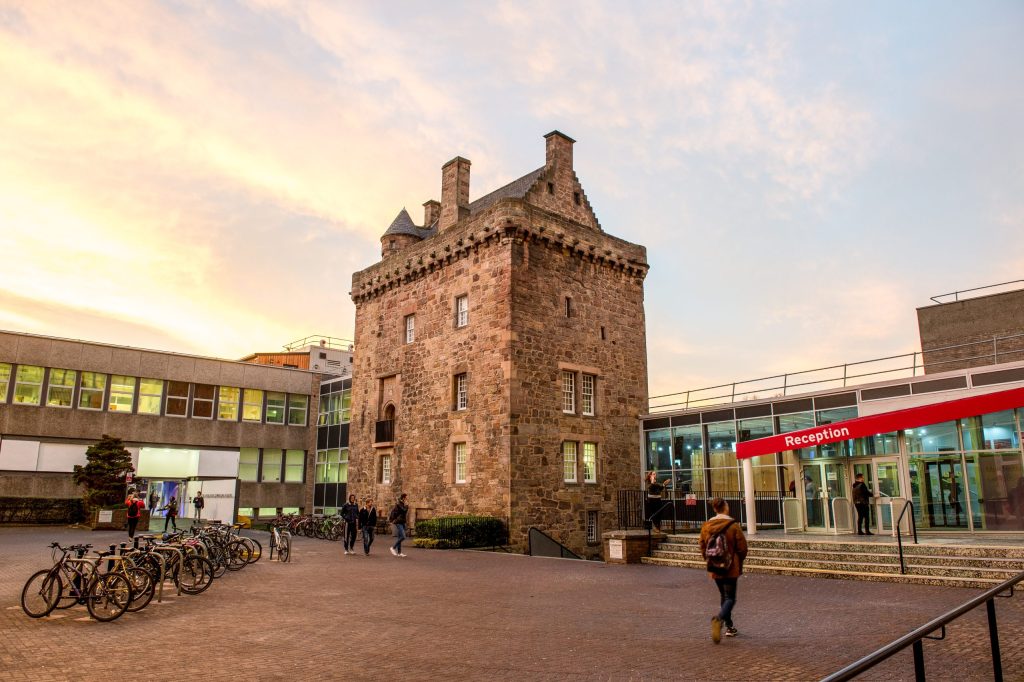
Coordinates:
(855,566)
(1003,551)
(864,554)
(910,578)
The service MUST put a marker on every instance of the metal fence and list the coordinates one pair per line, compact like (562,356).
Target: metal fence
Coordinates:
(685,511)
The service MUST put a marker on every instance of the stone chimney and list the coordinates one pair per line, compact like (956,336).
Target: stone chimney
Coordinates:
(454,192)
(559,152)
(431,212)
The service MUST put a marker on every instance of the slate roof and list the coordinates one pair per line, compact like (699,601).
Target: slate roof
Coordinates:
(403,224)
(516,189)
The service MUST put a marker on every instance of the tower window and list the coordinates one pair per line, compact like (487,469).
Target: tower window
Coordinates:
(568,306)
(461,392)
(576,197)
(602,334)
(461,311)
(551,188)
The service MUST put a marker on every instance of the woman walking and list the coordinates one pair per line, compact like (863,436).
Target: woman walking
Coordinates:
(172,514)
(398,518)
(368,525)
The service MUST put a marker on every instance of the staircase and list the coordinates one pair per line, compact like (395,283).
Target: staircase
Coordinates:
(977,566)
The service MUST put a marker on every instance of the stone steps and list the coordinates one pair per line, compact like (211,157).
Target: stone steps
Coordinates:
(911,579)
(951,565)
(991,561)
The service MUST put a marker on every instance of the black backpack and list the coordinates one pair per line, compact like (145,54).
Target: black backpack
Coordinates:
(719,552)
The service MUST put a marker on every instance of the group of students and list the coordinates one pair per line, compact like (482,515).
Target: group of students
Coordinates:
(135,505)
(364,519)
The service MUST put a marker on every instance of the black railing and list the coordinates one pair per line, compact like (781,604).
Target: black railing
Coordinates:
(464,531)
(385,432)
(899,530)
(542,544)
(915,638)
(690,509)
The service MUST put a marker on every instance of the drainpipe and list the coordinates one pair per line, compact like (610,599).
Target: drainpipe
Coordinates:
(748,495)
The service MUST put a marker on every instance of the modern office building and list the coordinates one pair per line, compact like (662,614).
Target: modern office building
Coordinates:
(240,432)
(949,441)
(330,479)
(500,362)
(326,355)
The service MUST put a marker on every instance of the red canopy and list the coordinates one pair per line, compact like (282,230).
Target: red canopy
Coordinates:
(883,423)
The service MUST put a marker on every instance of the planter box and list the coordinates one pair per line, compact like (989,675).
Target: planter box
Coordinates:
(115,519)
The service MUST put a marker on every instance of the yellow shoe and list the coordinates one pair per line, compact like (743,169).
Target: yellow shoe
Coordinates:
(716,629)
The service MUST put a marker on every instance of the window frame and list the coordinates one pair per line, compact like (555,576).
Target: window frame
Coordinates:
(590,397)
(264,463)
(143,395)
(292,409)
(92,390)
(38,386)
(267,407)
(568,392)
(258,406)
(177,397)
(6,372)
(203,401)
(575,461)
(410,328)
(462,311)
(385,469)
(461,381)
(112,393)
(291,466)
(460,456)
(592,447)
(593,537)
(243,463)
(63,386)
(226,402)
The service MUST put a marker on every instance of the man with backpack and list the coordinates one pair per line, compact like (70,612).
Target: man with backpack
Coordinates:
(724,547)
(134,505)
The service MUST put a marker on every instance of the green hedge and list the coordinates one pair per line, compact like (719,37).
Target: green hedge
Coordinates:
(41,510)
(453,532)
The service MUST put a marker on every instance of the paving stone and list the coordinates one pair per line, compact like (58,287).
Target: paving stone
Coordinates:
(481,616)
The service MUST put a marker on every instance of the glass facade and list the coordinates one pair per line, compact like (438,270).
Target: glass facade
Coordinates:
(966,474)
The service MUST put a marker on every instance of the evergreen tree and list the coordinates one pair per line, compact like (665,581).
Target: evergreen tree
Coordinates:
(107,463)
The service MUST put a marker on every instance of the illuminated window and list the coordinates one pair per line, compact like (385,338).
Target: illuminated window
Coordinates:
(90,394)
(346,406)
(227,403)
(569,461)
(5,381)
(460,462)
(569,392)
(151,395)
(271,469)
(275,408)
(122,394)
(60,390)
(590,462)
(252,408)
(28,385)
(294,466)
(248,464)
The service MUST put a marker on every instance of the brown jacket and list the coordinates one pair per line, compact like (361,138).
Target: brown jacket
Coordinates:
(734,536)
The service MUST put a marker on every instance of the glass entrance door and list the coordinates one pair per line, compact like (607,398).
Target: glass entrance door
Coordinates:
(882,476)
(823,482)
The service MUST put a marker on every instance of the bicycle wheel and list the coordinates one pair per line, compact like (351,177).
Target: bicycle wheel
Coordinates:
(72,591)
(109,597)
(238,555)
(255,549)
(143,587)
(196,575)
(284,550)
(40,594)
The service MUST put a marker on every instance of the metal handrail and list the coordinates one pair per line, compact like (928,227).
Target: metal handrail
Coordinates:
(332,342)
(730,394)
(899,531)
(915,637)
(956,294)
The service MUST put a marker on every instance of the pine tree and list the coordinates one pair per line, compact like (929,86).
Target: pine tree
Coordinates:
(107,463)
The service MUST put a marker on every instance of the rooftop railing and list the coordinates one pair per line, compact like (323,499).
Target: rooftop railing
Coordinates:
(956,294)
(334,342)
(985,352)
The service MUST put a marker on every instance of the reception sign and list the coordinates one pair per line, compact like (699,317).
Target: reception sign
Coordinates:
(883,423)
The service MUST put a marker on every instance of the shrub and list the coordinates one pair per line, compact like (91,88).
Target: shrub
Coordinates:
(452,532)
(103,476)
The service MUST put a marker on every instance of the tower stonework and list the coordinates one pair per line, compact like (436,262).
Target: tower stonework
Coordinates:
(488,340)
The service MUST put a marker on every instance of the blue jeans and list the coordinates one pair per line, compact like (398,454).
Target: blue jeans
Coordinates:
(400,534)
(727,591)
(367,538)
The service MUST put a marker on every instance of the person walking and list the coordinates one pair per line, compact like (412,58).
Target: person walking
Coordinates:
(398,518)
(198,502)
(810,493)
(172,514)
(861,501)
(153,500)
(724,547)
(368,524)
(134,505)
(350,513)
(653,508)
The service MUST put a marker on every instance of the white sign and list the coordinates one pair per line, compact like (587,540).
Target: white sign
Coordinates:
(832,475)
(615,549)
(106,516)
(882,473)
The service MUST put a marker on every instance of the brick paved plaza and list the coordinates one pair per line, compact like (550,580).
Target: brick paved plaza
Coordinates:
(481,616)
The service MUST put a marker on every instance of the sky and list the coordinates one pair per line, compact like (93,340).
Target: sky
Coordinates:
(205,177)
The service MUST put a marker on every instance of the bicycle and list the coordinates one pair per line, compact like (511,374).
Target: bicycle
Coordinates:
(282,541)
(106,596)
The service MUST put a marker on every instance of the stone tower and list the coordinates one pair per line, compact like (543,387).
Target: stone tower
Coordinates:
(500,358)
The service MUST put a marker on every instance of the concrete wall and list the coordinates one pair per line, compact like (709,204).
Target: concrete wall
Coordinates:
(975,322)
